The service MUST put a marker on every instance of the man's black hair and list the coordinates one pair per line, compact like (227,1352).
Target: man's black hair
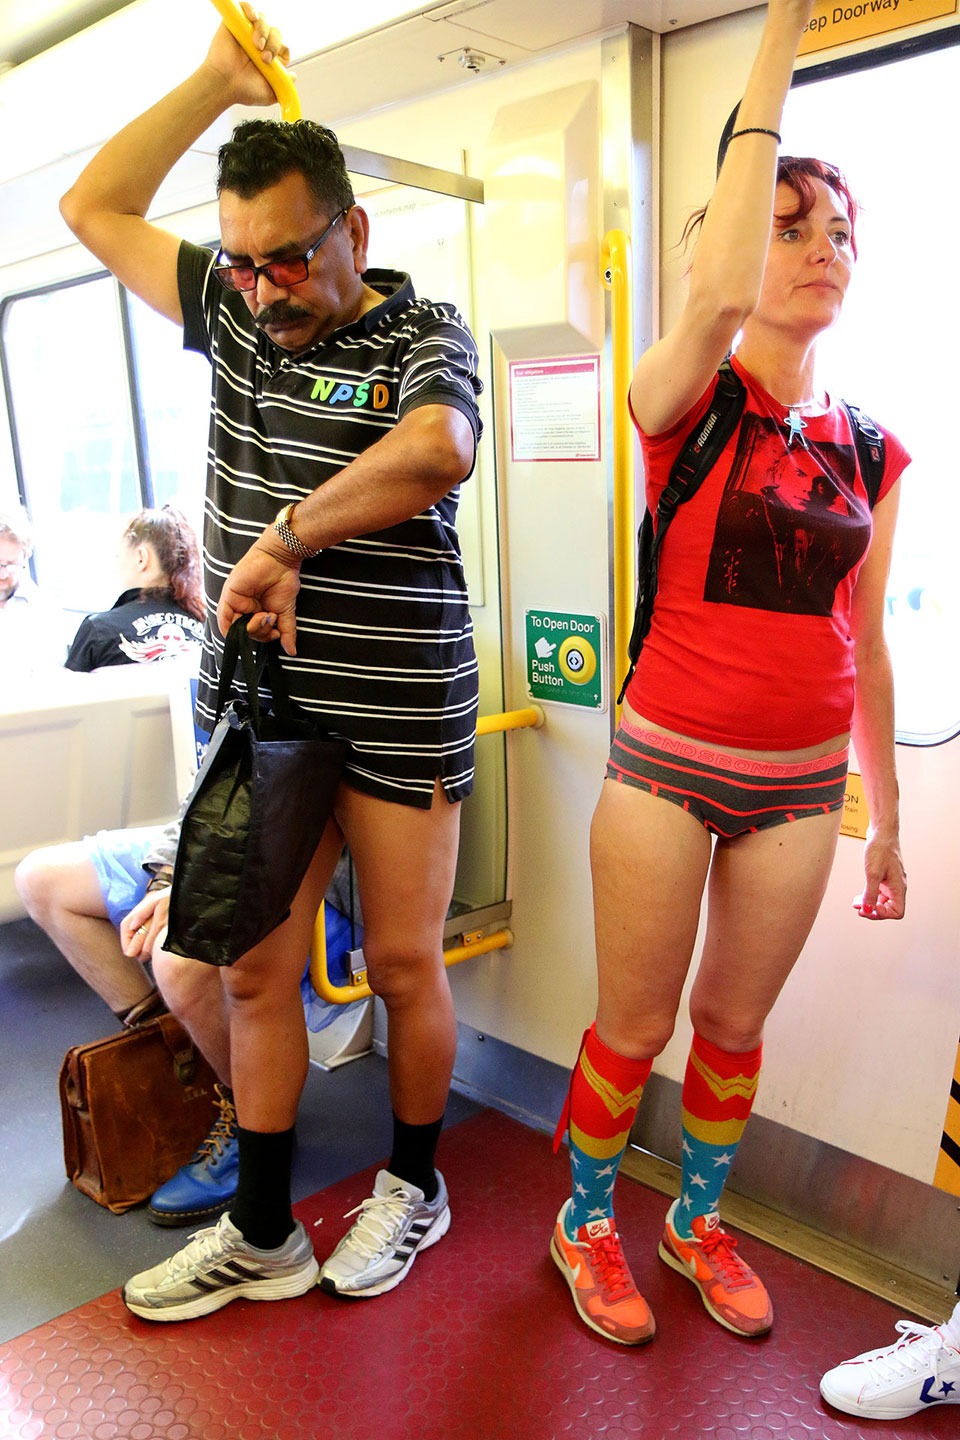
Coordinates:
(262,152)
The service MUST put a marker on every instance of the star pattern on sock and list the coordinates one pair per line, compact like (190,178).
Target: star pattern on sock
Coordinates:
(597,1214)
(723,1159)
(698,1180)
(607,1170)
(574,1160)
(686,1149)
(580,1189)
(686,1201)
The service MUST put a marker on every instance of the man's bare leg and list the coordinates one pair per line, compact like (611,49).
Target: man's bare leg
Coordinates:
(405,860)
(60,889)
(194,993)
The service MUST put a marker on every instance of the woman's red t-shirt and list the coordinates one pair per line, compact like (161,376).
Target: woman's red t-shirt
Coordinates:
(750,643)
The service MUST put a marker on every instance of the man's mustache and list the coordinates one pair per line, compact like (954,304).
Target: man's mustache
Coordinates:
(280,313)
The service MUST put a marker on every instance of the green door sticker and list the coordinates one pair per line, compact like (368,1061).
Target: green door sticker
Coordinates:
(565,658)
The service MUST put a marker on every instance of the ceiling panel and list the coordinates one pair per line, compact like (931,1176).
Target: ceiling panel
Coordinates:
(28,27)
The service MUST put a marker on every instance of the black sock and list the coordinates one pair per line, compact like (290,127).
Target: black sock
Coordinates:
(261,1209)
(414,1148)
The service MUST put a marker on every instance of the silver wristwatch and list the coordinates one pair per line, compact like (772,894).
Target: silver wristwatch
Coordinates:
(285,531)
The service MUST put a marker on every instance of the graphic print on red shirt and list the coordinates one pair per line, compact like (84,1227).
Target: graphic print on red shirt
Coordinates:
(790,526)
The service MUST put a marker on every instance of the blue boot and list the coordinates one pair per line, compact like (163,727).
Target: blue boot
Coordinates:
(203,1187)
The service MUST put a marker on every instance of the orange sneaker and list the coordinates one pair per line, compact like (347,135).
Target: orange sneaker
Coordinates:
(600,1281)
(728,1287)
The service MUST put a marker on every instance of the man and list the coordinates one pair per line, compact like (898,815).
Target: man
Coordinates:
(16,547)
(349,407)
(30,628)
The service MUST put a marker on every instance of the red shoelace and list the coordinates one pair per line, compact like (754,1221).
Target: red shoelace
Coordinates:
(609,1262)
(720,1247)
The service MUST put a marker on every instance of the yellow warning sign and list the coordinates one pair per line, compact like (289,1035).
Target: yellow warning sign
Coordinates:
(947,1174)
(836,23)
(856,817)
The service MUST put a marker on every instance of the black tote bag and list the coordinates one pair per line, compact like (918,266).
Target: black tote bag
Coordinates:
(259,806)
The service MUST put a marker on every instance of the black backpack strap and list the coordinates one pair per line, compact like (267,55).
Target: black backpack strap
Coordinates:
(868,439)
(699,453)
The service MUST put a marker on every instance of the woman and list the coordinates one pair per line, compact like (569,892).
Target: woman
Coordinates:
(160,613)
(737,719)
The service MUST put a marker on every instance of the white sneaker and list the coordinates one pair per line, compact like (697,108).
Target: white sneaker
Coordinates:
(920,1369)
(395,1224)
(218,1266)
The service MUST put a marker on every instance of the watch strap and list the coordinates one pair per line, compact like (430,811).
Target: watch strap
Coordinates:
(285,531)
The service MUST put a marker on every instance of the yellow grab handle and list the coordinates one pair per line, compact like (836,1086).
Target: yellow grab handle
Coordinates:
(242,31)
(345,994)
(531,717)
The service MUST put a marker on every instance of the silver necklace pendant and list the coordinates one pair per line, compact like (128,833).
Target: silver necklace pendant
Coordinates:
(797,426)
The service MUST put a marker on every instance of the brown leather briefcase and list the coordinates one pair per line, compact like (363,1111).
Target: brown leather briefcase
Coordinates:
(135,1107)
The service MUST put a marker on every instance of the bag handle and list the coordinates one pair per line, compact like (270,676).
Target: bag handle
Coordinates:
(238,647)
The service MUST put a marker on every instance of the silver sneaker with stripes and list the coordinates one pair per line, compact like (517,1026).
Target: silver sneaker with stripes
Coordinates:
(394,1225)
(218,1266)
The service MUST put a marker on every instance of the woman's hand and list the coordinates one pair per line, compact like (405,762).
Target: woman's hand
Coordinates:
(884,895)
(231,62)
(794,12)
(140,930)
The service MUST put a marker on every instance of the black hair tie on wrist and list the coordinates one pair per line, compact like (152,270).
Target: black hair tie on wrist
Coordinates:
(755,130)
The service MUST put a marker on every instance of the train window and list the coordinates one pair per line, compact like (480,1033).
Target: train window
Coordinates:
(174,393)
(72,426)
(893,352)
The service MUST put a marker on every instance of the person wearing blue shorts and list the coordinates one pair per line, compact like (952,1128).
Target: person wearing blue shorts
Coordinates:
(103,901)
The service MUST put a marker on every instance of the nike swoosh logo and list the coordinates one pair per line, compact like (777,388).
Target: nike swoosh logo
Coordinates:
(575,1271)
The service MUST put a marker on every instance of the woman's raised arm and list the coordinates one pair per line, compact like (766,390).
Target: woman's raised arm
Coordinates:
(731,248)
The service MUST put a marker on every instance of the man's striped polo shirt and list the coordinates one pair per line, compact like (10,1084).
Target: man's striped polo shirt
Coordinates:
(385,652)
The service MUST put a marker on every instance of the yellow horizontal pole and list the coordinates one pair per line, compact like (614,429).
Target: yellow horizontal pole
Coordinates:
(615,273)
(345,994)
(499,940)
(531,717)
(242,31)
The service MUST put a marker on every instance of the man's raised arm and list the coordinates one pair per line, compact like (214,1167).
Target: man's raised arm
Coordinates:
(106,207)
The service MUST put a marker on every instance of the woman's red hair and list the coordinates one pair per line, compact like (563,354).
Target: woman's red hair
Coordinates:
(800,172)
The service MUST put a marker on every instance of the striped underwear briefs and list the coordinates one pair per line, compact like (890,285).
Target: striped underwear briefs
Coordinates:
(729,794)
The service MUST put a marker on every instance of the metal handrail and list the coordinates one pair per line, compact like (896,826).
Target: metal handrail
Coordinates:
(360,989)
(281,83)
(615,266)
(531,717)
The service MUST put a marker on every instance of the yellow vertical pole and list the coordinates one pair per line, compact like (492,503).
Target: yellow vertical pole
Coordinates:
(615,273)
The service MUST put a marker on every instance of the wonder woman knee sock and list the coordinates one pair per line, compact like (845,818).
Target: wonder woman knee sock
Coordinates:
(718,1091)
(605,1091)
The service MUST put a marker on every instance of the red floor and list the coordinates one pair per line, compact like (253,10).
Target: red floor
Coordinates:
(480,1341)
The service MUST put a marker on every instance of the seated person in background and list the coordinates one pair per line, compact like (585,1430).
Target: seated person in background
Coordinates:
(103,901)
(160,613)
(16,547)
(920,1369)
(30,628)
